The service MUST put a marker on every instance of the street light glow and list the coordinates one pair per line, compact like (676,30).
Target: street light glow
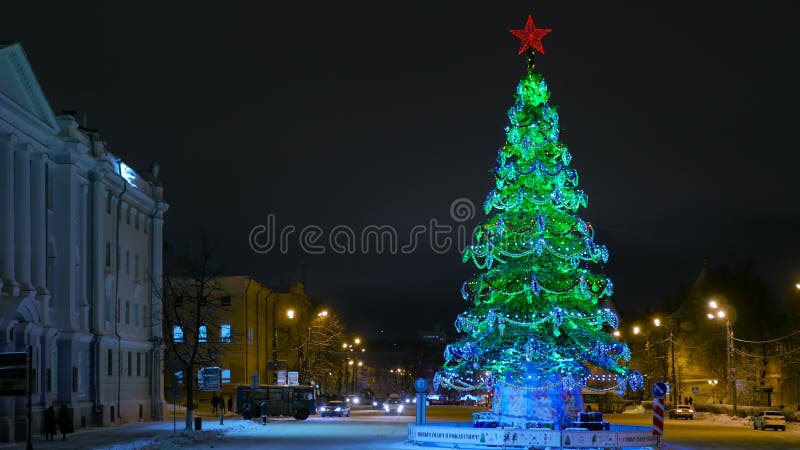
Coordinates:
(636,329)
(617,333)
(350,363)
(657,322)
(357,340)
(720,314)
(323,313)
(710,316)
(290,313)
(712,304)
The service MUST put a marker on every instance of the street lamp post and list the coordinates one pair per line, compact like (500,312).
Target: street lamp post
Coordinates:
(729,340)
(657,322)
(290,315)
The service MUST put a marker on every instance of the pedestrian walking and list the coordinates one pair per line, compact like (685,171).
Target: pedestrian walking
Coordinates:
(49,423)
(691,401)
(214,403)
(263,413)
(64,422)
(246,413)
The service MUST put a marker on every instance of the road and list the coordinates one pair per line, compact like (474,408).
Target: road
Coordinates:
(373,430)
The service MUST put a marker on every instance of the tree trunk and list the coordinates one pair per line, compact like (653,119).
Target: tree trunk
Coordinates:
(188,381)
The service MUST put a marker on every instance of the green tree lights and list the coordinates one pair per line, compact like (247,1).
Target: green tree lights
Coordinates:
(541,317)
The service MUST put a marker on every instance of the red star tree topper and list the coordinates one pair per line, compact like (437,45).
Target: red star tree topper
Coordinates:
(531,36)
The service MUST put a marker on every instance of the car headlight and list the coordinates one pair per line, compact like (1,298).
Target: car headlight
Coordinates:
(386,407)
(355,401)
(322,409)
(338,409)
(415,400)
(374,403)
(400,408)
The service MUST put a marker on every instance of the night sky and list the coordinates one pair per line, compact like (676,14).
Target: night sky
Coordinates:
(681,117)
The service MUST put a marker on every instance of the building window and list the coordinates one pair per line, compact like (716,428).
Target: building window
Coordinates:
(110,367)
(177,377)
(146,365)
(109,200)
(177,334)
(127,312)
(145,224)
(74,379)
(108,255)
(202,335)
(130,364)
(144,316)
(226,376)
(49,375)
(225,301)
(138,364)
(249,336)
(136,221)
(136,314)
(225,333)
(127,262)
(136,267)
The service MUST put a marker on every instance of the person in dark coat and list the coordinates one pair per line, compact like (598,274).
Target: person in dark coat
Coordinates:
(246,412)
(49,423)
(64,422)
(214,403)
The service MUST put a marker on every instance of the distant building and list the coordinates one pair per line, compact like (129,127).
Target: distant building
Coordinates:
(80,260)
(244,332)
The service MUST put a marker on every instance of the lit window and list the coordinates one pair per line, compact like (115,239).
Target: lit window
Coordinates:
(178,377)
(226,376)
(225,333)
(177,334)
(202,335)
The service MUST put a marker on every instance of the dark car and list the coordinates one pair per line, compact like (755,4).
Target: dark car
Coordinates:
(335,408)
(377,403)
(682,412)
(393,406)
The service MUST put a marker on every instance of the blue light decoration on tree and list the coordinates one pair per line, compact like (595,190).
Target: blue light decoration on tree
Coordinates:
(539,330)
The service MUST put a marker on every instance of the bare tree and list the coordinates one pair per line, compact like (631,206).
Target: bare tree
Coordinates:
(324,355)
(192,298)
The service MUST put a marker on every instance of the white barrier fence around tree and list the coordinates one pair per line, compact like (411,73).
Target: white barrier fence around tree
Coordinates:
(464,435)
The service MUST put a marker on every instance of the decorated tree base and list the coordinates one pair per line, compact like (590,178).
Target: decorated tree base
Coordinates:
(546,404)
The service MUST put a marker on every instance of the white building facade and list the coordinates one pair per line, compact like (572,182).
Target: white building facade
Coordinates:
(80,264)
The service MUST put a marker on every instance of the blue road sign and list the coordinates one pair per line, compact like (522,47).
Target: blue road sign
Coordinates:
(659,389)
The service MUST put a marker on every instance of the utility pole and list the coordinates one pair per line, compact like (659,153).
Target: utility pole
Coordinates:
(731,365)
(674,376)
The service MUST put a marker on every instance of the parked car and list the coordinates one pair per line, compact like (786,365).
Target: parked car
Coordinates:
(769,419)
(335,408)
(377,403)
(682,412)
(393,406)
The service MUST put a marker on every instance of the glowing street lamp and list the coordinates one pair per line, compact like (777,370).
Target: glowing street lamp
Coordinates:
(722,315)
(636,329)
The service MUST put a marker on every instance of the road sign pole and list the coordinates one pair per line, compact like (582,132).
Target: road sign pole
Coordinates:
(659,392)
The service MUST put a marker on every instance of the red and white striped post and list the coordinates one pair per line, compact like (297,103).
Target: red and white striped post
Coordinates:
(658,416)
(659,391)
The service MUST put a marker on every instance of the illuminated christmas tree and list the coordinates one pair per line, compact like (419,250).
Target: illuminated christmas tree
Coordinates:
(540,325)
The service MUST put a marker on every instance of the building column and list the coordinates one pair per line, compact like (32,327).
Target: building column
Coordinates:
(38,225)
(7,278)
(22,216)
